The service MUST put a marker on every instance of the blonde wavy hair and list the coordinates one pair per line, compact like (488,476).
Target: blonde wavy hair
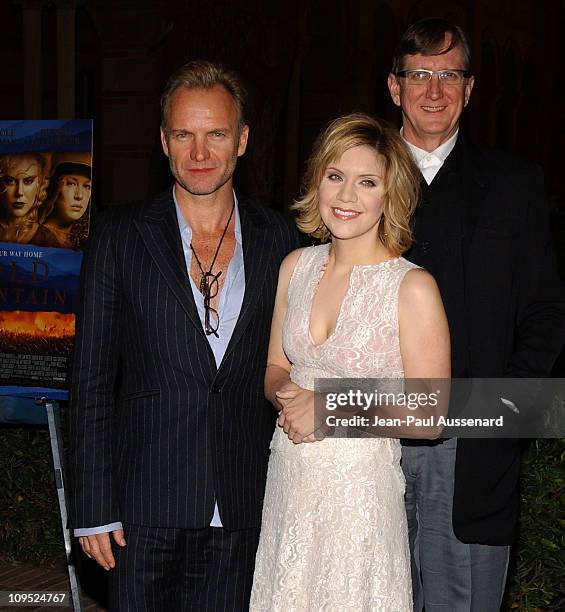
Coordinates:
(401,181)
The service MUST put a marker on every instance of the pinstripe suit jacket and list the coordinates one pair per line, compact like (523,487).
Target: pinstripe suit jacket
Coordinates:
(175,433)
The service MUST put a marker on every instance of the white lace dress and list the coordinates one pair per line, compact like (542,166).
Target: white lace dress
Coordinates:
(334,534)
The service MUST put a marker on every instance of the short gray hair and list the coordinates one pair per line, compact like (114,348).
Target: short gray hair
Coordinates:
(201,74)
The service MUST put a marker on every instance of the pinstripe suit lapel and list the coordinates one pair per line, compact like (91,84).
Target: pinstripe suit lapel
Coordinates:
(255,236)
(160,232)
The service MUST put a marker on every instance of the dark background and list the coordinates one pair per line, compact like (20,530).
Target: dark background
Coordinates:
(304,63)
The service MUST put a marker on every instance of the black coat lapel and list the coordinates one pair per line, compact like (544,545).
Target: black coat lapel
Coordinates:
(256,260)
(160,232)
(474,188)
(467,183)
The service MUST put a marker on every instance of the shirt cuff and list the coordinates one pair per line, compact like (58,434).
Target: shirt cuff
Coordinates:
(87,531)
(216,520)
(95,530)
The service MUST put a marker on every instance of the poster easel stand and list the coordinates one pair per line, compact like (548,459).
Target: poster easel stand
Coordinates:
(53,422)
(40,406)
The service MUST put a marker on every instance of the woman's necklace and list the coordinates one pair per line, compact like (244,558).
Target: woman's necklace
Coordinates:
(204,285)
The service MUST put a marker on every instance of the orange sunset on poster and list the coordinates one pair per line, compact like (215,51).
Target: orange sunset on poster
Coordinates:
(45,324)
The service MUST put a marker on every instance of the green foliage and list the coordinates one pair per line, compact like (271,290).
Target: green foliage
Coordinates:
(30,528)
(29,514)
(539,574)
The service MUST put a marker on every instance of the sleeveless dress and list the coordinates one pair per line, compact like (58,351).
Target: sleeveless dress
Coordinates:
(334,535)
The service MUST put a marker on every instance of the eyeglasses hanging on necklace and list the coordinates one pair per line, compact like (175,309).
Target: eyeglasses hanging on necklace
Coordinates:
(209,286)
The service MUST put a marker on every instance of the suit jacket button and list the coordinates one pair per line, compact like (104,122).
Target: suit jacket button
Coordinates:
(216,388)
(425,246)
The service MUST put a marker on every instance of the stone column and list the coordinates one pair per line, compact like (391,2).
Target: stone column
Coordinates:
(31,11)
(66,57)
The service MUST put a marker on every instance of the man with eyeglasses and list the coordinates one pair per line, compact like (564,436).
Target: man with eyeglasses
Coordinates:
(170,428)
(481,230)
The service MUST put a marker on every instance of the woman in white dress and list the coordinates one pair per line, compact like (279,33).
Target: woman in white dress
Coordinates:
(334,534)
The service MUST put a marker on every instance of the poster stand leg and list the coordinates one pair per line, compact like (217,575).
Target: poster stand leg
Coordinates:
(52,410)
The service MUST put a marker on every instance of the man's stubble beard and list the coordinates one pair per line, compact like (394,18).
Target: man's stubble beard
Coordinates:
(228,174)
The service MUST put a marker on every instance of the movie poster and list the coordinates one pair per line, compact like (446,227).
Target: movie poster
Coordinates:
(45,189)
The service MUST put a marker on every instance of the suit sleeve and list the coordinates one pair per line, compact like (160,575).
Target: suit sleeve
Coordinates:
(93,379)
(299,239)
(540,317)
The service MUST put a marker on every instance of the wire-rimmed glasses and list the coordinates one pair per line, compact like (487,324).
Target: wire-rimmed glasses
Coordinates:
(449,76)
(209,289)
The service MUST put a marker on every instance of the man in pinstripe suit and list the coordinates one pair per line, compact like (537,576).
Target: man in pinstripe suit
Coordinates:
(169,465)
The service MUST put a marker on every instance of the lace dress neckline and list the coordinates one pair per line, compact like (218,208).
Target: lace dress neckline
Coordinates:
(316,283)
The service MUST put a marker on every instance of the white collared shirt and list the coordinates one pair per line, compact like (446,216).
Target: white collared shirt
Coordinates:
(430,162)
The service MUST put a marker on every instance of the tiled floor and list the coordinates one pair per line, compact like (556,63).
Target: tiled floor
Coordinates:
(34,578)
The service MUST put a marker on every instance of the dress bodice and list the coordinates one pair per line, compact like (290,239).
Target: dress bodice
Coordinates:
(365,342)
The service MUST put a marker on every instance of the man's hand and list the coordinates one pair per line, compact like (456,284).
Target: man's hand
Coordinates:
(99,548)
(297,416)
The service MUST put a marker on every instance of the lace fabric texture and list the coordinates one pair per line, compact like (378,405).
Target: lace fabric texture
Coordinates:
(334,534)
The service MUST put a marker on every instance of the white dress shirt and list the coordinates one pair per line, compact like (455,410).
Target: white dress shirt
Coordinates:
(430,162)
